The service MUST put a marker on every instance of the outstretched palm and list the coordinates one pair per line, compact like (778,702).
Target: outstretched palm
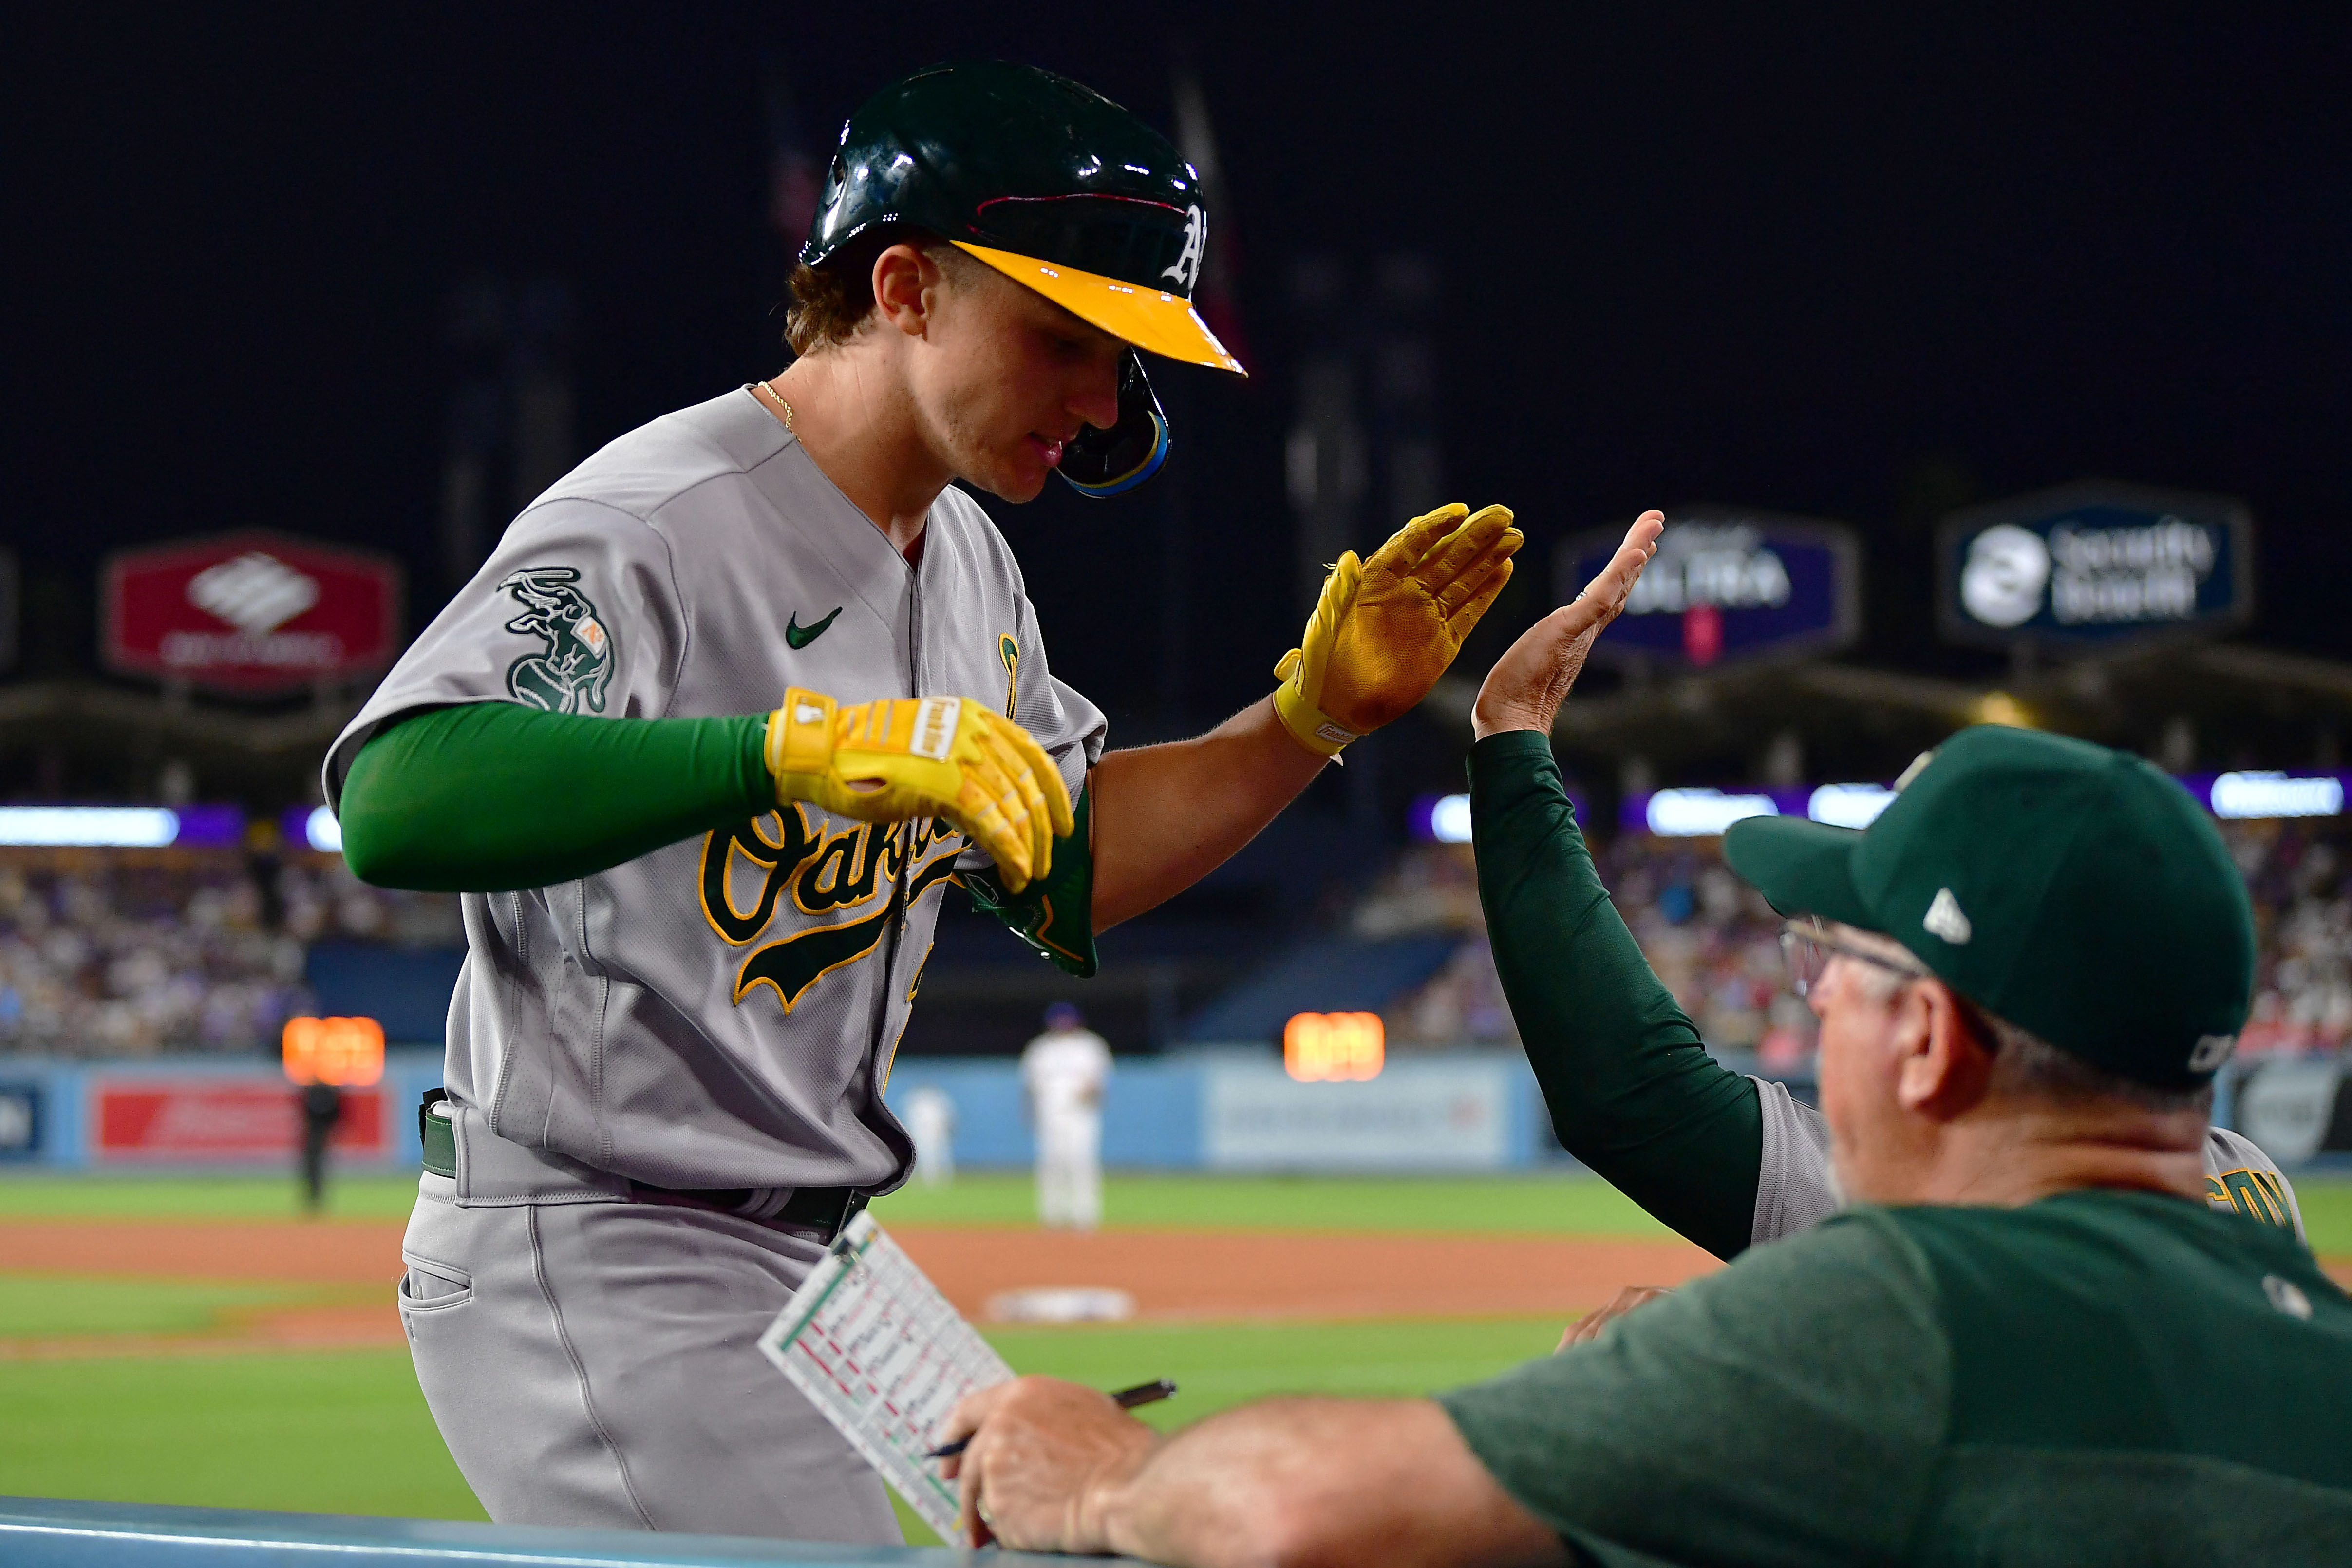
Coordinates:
(1527,684)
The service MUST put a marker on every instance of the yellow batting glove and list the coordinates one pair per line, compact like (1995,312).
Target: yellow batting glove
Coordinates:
(924,756)
(1386,629)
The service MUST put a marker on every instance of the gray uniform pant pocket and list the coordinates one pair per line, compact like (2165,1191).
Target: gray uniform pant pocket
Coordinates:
(597,1365)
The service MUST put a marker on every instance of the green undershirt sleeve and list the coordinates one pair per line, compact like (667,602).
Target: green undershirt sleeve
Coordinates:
(1054,914)
(488,796)
(1632,1092)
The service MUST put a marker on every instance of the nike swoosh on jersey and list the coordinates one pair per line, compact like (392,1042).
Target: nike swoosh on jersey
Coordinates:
(798,636)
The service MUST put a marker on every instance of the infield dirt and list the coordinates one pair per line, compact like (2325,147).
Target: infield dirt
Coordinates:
(1173,1275)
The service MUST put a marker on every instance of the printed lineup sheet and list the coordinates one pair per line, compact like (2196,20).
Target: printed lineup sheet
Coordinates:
(870,1340)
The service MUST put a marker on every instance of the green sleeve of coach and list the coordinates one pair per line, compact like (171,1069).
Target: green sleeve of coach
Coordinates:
(1054,914)
(487,797)
(1632,1092)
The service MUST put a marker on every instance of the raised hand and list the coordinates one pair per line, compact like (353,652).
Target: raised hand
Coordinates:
(1386,628)
(1529,683)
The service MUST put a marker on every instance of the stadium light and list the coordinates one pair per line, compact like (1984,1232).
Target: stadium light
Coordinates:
(2242,796)
(1334,1048)
(1848,804)
(345,1052)
(1702,813)
(1449,819)
(89,826)
(322,831)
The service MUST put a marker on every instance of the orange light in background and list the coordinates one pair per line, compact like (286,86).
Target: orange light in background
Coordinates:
(345,1052)
(1333,1047)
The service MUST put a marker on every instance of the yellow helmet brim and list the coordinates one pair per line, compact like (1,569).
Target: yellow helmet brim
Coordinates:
(1151,319)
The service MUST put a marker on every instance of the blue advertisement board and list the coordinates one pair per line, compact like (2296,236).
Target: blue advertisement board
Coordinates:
(2089,565)
(1728,584)
(20,1121)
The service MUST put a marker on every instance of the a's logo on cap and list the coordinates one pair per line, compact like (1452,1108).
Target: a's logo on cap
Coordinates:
(1187,270)
(1945,919)
(2212,1051)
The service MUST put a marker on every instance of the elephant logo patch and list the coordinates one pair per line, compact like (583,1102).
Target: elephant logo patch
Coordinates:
(573,666)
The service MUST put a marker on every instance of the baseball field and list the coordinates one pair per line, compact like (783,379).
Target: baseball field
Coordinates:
(193,1339)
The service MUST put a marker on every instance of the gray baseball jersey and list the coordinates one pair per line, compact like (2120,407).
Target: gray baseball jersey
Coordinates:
(1796,1189)
(720,1013)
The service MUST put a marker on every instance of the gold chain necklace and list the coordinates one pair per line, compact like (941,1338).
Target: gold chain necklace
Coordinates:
(778,399)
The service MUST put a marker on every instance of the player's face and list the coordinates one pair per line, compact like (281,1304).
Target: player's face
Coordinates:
(1006,378)
(1866,1014)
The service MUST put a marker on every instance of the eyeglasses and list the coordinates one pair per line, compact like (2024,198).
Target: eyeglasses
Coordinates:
(1809,950)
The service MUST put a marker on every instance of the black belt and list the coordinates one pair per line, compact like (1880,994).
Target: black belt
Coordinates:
(825,1210)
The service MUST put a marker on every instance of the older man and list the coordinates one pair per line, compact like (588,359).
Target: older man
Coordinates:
(2032,1341)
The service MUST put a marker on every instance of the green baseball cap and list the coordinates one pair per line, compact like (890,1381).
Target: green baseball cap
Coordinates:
(2073,890)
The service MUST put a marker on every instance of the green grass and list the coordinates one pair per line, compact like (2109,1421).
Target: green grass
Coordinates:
(347,1432)
(1577,1205)
(315,1433)
(36,1305)
(1532,1203)
(204,1196)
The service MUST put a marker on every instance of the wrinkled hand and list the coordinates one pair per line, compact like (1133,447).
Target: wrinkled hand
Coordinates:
(1386,629)
(1589,1326)
(924,756)
(1041,1453)
(1529,683)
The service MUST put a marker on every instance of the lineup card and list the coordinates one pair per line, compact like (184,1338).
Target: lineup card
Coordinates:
(872,1342)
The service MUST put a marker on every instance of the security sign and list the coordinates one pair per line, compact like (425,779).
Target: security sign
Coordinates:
(2091,565)
(252,613)
(1727,583)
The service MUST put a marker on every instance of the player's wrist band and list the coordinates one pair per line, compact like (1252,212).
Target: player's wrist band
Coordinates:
(1311,727)
(800,733)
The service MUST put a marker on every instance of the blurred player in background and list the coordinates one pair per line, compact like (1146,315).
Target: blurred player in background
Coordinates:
(321,1106)
(1063,1072)
(931,1123)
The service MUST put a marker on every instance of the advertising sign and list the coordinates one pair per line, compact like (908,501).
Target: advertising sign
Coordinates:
(2290,1108)
(251,613)
(189,1120)
(1437,1115)
(20,1121)
(2088,565)
(1729,583)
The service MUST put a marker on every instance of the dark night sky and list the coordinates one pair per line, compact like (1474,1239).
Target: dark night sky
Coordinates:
(1846,263)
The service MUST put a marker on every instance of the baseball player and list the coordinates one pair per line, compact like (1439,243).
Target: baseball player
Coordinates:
(1063,1072)
(708,735)
(1727,1160)
(931,1123)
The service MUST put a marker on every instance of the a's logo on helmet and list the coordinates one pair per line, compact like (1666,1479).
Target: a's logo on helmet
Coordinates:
(1187,270)
(574,663)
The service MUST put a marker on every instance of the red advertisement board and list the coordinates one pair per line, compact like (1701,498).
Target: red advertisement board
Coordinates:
(173,1121)
(252,612)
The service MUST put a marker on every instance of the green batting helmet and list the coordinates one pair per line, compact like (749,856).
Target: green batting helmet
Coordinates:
(1059,189)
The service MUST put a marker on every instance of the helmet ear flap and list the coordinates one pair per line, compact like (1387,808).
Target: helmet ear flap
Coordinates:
(1104,463)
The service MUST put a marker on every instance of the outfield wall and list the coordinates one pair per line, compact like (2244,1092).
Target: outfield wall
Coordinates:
(1219,1109)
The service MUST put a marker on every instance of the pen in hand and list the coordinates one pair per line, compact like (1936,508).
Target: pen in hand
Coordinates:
(1126,1399)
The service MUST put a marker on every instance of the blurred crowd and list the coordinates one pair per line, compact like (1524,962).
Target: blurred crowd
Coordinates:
(135,954)
(1713,940)
(1715,943)
(2301,880)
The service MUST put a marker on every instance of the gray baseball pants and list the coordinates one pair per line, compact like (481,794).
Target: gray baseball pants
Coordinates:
(596,1365)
